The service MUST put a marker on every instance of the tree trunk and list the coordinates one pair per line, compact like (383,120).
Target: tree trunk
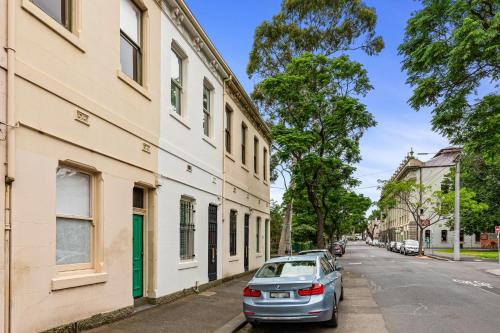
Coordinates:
(420,240)
(319,233)
(284,245)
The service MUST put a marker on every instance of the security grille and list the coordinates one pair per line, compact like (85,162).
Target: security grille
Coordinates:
(186,230)
(232,233)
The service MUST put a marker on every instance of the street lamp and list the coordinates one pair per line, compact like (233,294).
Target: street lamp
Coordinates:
(456,213)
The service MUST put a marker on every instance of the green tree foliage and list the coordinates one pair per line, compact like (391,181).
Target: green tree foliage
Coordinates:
(451,53)
(317,122)
(319,27)
(276,212)
(481,181)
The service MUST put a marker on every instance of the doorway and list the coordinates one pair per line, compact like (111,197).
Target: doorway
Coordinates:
(245,252)
(212,242)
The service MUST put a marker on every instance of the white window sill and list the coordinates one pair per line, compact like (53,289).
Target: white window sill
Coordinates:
(78,280)
(244,167)
(256,176)
(53,24)
(265,182)
(233,259)
(259,255)
(230,156)
(210,141)
(132,84)
(180,119)
(187,264)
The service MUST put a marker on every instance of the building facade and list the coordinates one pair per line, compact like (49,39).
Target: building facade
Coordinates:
(113,115)
(246,226)
(399,225)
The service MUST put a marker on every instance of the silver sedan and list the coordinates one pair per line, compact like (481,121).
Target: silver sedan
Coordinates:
(294,289)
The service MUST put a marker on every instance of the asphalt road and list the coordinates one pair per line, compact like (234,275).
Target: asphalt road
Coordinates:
(389,292)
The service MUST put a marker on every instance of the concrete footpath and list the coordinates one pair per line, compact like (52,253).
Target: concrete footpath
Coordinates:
(208,311)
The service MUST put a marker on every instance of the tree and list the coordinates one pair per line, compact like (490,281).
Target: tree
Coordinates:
(319,27)
(370,227)
(451,54)
(415,199)
(318,120)
(275,212)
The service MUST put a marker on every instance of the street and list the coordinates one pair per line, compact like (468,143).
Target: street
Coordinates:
(389,292)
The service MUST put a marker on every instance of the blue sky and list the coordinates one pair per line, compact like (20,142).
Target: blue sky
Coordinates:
(231,24)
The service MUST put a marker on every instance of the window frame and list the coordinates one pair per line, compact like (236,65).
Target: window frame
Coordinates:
(91,219)
(264,163)
(68,14)
(256,155)
(257,233)
(174,84)
(445,233)
(207,114)
(139,48)
(233,232)
(188,256)
(244,130)
(228,128)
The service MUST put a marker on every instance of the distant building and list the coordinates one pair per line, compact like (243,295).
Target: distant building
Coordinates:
(398,225)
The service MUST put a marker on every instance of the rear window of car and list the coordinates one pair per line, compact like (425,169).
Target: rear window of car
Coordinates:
(287,269)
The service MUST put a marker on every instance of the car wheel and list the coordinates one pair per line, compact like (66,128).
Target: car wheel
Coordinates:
(255,324)
(334,321)
(341,293)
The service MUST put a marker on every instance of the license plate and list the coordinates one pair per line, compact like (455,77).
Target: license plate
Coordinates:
(279,294)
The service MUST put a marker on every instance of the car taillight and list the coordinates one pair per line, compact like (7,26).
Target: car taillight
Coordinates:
(247,292)
(316,289)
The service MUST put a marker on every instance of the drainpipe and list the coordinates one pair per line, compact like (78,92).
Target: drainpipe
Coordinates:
(10,156)
(223,161)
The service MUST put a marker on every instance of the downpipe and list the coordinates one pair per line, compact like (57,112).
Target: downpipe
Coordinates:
(9,158)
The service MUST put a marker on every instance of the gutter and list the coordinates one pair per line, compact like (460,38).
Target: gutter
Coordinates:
(10,157)
(223,162)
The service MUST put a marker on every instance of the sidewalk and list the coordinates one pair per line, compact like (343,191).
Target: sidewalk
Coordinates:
(449,256)
(204,312)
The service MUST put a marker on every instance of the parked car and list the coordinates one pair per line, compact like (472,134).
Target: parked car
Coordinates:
(368,240)
(375,242)
(320,253)
(343,245)
(336,250)
(409,246)
(397,246)
(391,246)
(294,289)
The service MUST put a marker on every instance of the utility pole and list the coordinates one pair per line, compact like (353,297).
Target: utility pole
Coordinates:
(456,245)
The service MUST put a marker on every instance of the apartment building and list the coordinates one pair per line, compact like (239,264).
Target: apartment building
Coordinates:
(246,219)
(399,225)
(115,178)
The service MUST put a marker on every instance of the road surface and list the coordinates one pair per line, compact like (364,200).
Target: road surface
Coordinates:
(389,292)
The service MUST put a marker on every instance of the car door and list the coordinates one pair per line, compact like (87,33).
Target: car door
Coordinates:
(329,279)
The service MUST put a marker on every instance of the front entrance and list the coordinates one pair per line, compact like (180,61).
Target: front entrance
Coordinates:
(245,261)
(266,253)
(137,255)
(212,242)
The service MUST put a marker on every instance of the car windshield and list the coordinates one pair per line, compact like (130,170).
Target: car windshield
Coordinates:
(287,269)
(412,243)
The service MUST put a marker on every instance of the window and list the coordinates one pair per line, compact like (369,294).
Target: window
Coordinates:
(232,233)
(229,116)
(287,269)
(59,10)
(255,154)
(264,165)
(244,143)
(444,235)
(206,111)
(477,237)
(74,218)
(138,197)
(257,234)
(428,235)
(186,230)
(130,39)
(176,82)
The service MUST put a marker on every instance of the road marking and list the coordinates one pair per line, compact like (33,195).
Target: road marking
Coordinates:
(354,263)
(481,285)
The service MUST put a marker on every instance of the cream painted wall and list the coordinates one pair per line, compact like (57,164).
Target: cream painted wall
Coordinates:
(183,143)
(59,74)
(3,91)
(245,192)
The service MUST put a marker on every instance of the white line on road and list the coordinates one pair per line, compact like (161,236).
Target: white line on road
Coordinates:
(354,263)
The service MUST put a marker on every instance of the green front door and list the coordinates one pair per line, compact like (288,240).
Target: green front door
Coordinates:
(137,256)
